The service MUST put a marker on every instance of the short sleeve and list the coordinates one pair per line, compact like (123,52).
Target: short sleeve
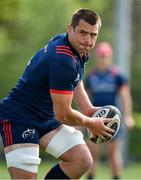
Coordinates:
(62,74)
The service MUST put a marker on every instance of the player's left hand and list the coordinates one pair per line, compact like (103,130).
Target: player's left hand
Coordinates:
(92,110)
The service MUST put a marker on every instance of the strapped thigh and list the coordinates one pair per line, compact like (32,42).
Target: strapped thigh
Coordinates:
(66,138)
(26,158)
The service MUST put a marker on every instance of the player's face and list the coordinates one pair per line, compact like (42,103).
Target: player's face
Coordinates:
(83,37)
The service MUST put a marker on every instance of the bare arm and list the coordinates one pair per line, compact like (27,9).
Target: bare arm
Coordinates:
(83,100)
(65,114)
(127,105)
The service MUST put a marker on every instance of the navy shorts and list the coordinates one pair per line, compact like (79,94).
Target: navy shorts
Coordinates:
(18,133)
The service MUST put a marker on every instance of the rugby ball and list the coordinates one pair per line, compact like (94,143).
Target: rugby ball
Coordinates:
(108,111)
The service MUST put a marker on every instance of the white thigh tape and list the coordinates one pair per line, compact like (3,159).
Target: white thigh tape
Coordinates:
(26,158)
(66,138)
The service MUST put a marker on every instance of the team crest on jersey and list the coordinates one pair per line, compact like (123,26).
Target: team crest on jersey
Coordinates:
(28,134)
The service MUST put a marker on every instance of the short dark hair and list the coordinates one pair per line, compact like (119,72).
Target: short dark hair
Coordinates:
(87,15)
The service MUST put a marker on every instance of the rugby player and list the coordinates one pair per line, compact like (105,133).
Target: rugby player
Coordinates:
(38,110)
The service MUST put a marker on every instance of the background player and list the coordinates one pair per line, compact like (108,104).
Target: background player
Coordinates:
(38,110)
(104,84)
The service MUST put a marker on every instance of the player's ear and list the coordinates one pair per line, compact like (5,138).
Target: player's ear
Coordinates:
(69,29)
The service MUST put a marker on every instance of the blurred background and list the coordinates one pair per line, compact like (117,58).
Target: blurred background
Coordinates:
(27,25)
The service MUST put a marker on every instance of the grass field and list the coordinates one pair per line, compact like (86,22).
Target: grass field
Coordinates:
(133,171)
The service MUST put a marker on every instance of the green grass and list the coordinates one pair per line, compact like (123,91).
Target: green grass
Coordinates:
(133,171)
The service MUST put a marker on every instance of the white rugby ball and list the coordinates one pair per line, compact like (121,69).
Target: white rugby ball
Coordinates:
(108,111)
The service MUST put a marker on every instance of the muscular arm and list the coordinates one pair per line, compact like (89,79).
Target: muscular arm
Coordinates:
(65,114)
(62,75)
(83,101)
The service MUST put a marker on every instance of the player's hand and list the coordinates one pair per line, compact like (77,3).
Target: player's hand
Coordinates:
(98,127)
(92,110)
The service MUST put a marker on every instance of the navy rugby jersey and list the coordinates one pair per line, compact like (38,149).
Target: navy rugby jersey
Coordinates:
(54,68)
(104,86)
